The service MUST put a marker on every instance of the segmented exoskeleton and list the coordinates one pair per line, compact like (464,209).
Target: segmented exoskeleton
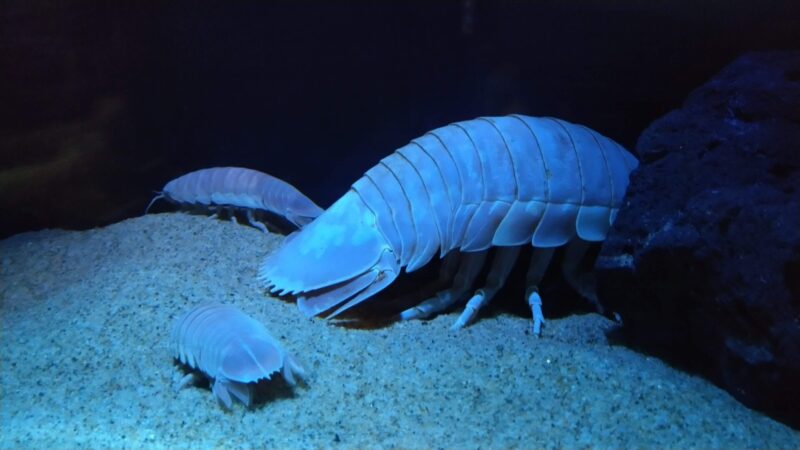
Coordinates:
(493,181)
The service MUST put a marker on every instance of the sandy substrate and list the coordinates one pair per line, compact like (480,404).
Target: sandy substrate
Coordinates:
(85,361)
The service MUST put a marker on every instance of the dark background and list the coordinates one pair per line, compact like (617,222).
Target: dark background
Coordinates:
(102,103)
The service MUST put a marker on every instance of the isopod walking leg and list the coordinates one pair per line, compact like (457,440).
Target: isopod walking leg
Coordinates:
(231,215)
(447,273)
(582,281)
(503,262)
(540,259)
(471,264)
(291,368)
(449,266)
(252,220)
(187,379)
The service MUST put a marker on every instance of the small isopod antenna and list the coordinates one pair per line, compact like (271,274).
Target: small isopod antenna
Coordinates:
(159,195)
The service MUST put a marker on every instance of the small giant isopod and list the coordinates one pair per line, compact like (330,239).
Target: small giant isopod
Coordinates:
(240,188)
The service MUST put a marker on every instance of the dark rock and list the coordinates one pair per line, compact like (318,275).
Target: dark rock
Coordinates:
(703,264)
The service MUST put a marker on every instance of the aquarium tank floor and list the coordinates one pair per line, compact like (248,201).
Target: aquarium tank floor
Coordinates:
(85,362)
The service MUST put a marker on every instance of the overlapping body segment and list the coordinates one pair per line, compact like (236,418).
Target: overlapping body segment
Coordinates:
(465,187)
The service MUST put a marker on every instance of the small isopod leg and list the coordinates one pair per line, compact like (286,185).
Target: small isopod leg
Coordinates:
(540,259)
(183,382)
(231,215)
(503,262)
(252,219)
(471,264)
(291,368)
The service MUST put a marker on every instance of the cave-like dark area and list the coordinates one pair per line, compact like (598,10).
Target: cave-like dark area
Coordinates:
(103,102)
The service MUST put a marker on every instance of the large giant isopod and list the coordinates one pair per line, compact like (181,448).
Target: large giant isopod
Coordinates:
(458,190)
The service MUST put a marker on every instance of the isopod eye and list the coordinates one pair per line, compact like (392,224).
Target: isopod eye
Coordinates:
(251,358)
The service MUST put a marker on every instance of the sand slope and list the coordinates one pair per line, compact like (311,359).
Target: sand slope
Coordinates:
(85,361)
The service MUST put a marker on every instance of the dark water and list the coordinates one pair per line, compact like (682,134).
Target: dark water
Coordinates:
(104,102)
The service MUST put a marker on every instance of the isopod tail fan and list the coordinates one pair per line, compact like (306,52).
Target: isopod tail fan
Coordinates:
(341,260)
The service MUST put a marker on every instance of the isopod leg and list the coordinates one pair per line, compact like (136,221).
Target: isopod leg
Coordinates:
(471,264)
(503,262)
(220,391)
(252,220)
(188,379)
(291,368)
(447,271)
(583,282)
(241,391)
(540,259)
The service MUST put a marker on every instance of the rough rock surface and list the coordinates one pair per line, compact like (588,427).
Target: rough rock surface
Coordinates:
(704,263)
